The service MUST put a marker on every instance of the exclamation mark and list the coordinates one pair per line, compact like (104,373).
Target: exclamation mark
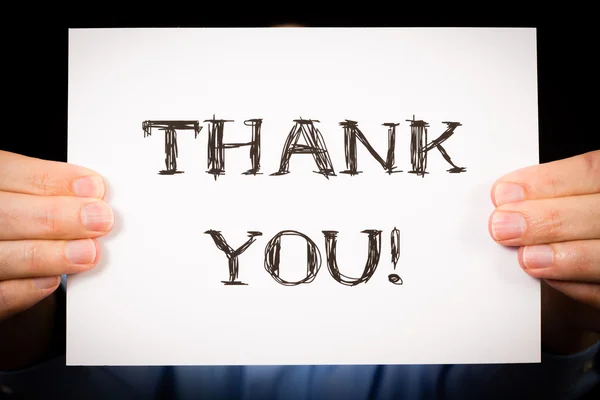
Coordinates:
(395,245)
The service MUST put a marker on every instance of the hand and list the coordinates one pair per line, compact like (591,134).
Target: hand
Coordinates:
(50,213)
(552,212)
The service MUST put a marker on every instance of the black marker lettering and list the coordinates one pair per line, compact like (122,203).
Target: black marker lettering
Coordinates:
(254,144)
(171,150)
(352,132)
(315,145)
(216,147)
(232,255)
(451,126)
(273,258)
(373,251)
(419,146)
(395,247)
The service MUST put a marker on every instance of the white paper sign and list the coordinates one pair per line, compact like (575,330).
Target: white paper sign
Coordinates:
(245,233)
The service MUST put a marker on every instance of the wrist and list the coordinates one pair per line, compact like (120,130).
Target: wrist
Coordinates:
(25,338)
(566,324)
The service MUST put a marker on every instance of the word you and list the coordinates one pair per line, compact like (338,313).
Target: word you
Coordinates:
(273,249)
(313,143)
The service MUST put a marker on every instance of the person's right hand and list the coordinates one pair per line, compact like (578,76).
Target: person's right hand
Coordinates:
(50,215)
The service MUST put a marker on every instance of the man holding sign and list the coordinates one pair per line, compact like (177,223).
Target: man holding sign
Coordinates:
(199,266)
(53,214)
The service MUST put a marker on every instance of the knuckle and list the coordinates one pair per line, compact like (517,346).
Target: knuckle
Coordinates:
(31,256)
(6,215)
(544,176)
(580,259)
(591,163)
(4,262)
(551,226)
(48,219)
(9,217)
(553,183)
(7,302)
(40,182)
(581,269)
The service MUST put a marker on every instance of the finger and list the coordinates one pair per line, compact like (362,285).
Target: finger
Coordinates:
(546,221)
(569,177)
(24,216)
(20,294)
(37,258)
(567,261)
(29,175)
(587,293)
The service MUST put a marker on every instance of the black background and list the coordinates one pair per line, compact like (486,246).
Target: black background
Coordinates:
(35,56)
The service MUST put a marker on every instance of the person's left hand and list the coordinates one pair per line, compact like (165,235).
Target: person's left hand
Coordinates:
(552,212)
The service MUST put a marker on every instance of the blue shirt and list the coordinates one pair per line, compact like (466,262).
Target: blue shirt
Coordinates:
(556,377)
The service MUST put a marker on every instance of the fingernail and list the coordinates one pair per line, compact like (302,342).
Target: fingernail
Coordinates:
(539,256)
(97,217)
(46,282)
(89,186)
(508,193)
(80,251)
(508,225)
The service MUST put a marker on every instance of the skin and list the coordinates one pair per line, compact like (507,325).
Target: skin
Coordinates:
(552,213)
(48,212)
(51,215)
